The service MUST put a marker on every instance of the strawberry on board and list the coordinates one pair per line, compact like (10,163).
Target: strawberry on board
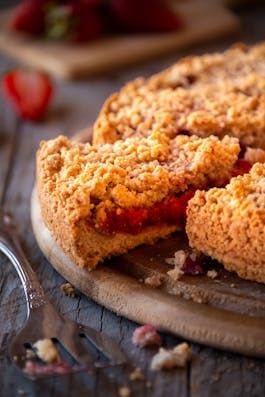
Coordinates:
(29,92)
(144,16)
(29,17)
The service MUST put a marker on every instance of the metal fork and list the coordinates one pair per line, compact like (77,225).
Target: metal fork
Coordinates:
(43,321)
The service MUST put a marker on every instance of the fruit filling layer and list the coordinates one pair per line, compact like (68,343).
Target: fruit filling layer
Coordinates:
(171,211)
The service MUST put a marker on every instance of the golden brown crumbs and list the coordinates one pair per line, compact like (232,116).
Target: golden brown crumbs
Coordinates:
(136,374)
(124,391)
(46,351)
(176,357)
(176,273)
(68,290)
(153,281)
(212,273)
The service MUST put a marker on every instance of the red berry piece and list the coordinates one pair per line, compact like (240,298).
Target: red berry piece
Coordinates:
(144,16)
(29,17)
(29,92)
(241,167)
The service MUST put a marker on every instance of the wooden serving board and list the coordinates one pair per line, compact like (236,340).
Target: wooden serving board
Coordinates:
(204,20)
(230,315)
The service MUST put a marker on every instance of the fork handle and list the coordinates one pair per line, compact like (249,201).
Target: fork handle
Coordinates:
(10,246)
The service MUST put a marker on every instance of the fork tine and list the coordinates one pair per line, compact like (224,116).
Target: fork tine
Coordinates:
(104,344)
(78,351)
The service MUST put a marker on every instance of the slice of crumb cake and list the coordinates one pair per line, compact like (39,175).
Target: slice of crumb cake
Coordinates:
(100,201)
(228,224)
(220,94)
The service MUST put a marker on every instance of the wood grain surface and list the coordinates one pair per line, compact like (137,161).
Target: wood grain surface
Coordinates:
(203,21)
(212,372)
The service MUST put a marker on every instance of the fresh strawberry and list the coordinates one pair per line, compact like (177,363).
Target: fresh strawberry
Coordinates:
(28,91)
(88,22)
(144,16)
(29,17)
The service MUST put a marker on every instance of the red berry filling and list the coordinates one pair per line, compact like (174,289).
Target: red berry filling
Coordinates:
(171,211)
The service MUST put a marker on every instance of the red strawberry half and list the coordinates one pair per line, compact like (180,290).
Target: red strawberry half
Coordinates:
(29,92)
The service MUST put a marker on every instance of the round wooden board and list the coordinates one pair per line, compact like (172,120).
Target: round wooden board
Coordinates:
(227,318)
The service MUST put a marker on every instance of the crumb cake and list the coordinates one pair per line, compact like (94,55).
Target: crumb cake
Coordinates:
(101,201)
(228,224)
(212,94)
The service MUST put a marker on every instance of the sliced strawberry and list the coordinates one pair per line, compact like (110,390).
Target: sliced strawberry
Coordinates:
(144,15)
(29,17)
(29,92)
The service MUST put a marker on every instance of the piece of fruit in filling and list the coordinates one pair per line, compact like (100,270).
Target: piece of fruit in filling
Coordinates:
(171,211)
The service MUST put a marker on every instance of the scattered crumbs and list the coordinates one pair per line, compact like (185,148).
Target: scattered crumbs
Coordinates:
(154,281)
(68,290)
(175,273)
(215,377)
(196,298)
(124,391)
(178,259)
(146,335)
(151,259)
(140,280)
(232,285)
(176,357)
(212,274)
(187,262)
(136,374)
(46,351)
(21,392)
(30,354)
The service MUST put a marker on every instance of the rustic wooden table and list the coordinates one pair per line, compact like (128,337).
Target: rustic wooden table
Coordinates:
(75,105)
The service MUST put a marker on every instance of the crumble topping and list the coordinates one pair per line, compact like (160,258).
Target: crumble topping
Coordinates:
(89,181)
(176,357)
(219,93)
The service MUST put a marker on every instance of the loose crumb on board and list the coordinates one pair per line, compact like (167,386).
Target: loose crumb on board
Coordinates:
(212,274)
(154,281)
(175,273)
(124,391)
(176,357)
(68,290)
(136,374)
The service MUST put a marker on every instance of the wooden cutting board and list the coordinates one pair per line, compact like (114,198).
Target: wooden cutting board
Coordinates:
(226,312)
(204,20)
